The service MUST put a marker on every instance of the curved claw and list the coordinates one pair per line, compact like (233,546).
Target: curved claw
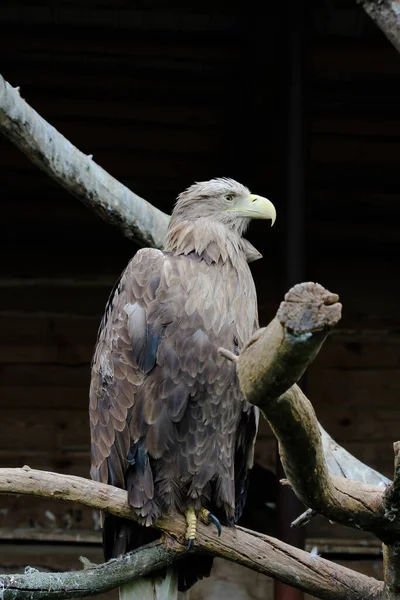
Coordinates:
(189,546)
(213,519)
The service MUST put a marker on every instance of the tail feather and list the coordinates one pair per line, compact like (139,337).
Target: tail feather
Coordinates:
(159,588)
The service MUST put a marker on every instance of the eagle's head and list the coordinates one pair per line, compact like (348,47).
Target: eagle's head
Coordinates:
(215,214)
(223,201)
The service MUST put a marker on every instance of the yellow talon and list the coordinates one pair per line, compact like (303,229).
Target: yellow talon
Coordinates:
(208,518)
(191,520)
(204,515)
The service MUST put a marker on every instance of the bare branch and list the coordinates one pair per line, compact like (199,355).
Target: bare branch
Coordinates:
(391,553)
(77,172)
(34,585)
(267,367)
(305,518)
(386,14)
(391,569)
(262,553)
(391,499)
(340,462)
(276,357)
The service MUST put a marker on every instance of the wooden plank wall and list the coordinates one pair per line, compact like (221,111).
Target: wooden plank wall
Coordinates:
(163,94)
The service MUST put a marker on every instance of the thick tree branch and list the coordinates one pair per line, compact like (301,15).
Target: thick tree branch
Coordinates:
(261,553)
(391,497)
(276,357)
(391,569)
(35,585)
(78,173)
(272,362)
(391,553)
(386,14)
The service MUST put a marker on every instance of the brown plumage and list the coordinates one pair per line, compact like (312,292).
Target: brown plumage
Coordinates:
(168,420)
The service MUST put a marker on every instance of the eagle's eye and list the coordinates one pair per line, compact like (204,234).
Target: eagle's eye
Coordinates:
(229,197)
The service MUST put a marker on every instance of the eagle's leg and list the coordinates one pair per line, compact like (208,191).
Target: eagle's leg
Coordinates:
(208,518)
(191,519)
(191,530)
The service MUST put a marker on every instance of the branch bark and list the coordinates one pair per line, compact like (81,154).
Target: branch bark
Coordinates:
(78,173)
(35,585)
(386,14)
(268,368)
(261,553)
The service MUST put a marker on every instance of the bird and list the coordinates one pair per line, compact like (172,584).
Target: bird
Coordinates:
(168,420)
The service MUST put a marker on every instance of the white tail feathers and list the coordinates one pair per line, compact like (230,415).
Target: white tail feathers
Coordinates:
(160,588)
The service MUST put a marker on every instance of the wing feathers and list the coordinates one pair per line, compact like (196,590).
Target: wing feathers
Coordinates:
(158,383)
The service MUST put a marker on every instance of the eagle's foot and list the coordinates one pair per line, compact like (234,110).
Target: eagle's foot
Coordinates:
(191,519)
(208,518)
(191,530)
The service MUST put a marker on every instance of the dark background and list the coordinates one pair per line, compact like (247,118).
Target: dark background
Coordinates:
(303,107)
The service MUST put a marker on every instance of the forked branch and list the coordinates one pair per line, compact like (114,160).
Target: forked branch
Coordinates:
(268,368)
(262,553)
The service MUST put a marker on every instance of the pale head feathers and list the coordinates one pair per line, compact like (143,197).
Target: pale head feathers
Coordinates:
(212,189)
(208,199)
(200,223)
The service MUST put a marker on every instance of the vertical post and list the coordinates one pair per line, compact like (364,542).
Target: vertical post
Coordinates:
(294,24)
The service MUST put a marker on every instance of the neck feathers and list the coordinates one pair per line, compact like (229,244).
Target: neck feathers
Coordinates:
(213,242)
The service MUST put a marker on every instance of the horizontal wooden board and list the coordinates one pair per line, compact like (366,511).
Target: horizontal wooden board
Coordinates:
(127,18)
(352,205)
(355,177)
(41,375)
(195,5)
(160,191)
(174,5)
(346,149)
(24,396)
(354,60)
(46,557)
(120,44)
(363,349)
(153,78)
(48,328)
(39,296)
(139,165)
(354,387)
(361,423)
(356,97)
(115,108)
(71,355)
(59,431)
(351,126)
(68,462)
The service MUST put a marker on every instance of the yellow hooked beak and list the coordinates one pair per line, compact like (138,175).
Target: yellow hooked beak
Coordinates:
(255,207)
